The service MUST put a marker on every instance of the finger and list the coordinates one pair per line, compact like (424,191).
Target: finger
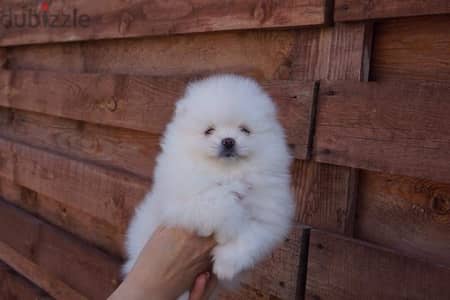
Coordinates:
(199,287)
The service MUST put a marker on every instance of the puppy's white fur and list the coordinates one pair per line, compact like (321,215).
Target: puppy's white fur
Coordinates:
(244,200)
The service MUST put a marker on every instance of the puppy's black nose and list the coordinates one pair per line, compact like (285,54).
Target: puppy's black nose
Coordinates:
(228,143)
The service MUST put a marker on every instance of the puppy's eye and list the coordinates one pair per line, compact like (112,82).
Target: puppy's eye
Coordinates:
(245,130)
(209,131)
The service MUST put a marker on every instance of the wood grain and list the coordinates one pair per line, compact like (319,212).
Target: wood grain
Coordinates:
(33,272)
(343,268)
(407,214)
(341,52)
(117,19)
(262,54)
(130,101)
(14,286)
(325,194)
(64,214)
(354,10)
(63,266)
(120,101)
(127,150)
(412,48)
(107,195)
(400,128)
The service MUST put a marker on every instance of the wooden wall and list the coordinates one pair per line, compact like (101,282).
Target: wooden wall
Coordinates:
(363,92)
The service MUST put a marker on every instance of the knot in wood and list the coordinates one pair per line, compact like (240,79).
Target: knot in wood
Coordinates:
(262,11)
(125,21)
(440,204)
(109,104)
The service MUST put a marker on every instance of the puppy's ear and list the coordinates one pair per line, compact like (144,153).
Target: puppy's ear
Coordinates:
(180,108)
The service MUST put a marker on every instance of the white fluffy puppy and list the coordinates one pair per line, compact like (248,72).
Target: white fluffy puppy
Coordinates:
(223,170)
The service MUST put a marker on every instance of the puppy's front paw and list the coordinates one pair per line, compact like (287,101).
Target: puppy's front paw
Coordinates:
(239,189)
(205,231)
(226,263)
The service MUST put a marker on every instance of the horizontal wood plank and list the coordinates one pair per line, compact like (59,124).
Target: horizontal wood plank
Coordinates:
(407,214)
(14,286)
(63,266)
(128,150)
(343,268)
(107,19)
(130,101)
(120,100)
(264,54)
(397,127)
(356,10)
(412,49)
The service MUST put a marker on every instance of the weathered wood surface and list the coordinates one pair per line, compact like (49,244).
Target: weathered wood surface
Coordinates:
(107,195)
(86,225)
(128,150)
(341,52)
(356,10)
(131,101)
(316,205)
(262,54)
(14,286)
(326,194)
(407,214)
(121,101)
(343,268)
(117,19)
(52,285)
(63,266)
(400,128)
(412,48)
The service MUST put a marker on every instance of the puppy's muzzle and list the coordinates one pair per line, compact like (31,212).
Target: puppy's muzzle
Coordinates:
(228,148)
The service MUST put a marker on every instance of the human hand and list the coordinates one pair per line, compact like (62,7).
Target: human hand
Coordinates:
(167,266)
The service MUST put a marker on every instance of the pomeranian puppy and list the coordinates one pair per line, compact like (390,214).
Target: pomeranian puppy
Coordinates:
(223,170)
